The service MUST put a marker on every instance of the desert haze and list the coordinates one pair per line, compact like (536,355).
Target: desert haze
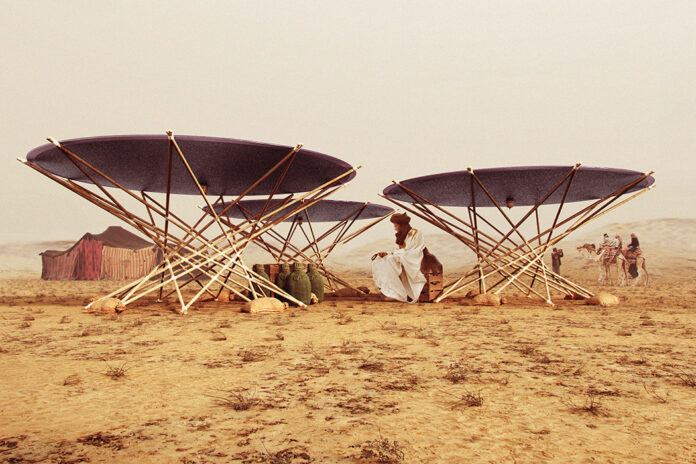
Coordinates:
(356,381)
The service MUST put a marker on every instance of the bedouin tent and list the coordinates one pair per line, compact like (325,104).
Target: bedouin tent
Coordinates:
(115,254)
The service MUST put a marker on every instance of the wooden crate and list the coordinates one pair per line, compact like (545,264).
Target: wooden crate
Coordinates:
(272,270)
(432,288)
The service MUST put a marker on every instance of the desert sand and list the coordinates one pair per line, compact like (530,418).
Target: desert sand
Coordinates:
(352,381)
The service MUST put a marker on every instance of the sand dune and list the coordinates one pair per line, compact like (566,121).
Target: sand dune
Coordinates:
(663,233)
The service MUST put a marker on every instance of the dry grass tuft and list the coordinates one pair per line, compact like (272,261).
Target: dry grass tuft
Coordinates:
(469,400)
(238,401)
(348,347)
(654,394)
(116,372)
(686,378)
(457,372)
(591,403)
(382,450)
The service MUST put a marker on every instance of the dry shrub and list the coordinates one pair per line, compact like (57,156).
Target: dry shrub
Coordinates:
(686,378)
(238,401)
(591,403)
(279,336)
(469,400)
(457,372)
(65,320)
(654,394)
(309,348)
(116,372)
(382,450)
(25,325)
(218,336)
(348,347)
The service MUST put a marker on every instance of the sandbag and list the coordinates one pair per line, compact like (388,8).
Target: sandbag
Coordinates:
(264,305)
(106,305)
(603,299)
(486,299)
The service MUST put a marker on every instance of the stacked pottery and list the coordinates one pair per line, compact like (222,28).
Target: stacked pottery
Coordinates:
(298,284)
(282,278)
(316,281)
(260,291)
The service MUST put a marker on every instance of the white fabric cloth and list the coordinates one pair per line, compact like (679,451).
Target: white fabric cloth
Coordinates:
(398,275)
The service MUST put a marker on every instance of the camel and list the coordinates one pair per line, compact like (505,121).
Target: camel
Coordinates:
(640,266)
(589,251)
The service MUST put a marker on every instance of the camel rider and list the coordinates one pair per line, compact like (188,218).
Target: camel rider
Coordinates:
(605,245)
(633,250)
(617,242)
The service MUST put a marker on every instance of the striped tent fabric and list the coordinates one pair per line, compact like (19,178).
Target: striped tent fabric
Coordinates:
(89,260)
(125,264)
(115,254)
(60,267)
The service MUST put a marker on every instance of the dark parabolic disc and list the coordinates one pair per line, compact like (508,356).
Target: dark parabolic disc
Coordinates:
(527,185)
(322,211)
(226,166)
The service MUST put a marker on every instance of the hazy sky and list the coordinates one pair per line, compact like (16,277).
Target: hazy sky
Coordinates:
(403,88)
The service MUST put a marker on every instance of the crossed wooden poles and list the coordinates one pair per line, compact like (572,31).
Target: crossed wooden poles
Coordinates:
(191,256)
(284,250)
(497,252)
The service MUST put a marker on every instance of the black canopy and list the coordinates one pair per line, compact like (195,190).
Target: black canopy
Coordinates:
(226,166)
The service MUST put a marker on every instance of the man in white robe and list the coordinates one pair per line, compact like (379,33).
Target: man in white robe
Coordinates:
(398,274)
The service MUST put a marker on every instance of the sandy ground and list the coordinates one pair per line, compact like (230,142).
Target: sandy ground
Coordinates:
(522,383)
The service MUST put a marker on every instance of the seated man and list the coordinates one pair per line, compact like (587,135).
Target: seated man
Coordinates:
(398,274)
